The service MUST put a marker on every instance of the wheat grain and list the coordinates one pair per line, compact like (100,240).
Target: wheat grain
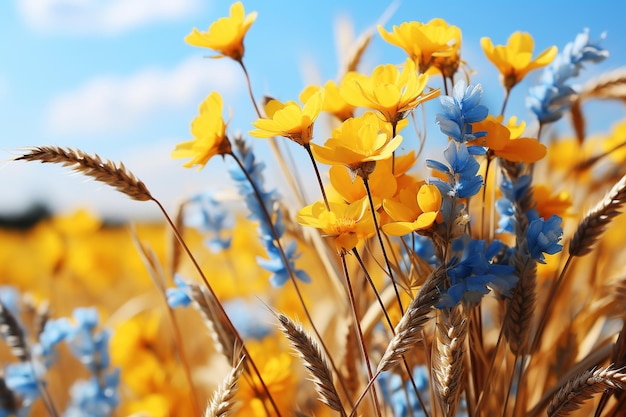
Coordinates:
(448,359)
(578,390)
(102,170)
(223,401)
(13,334)
(596,221)
(224,340)
(417,314)
(520,309)
(314,360)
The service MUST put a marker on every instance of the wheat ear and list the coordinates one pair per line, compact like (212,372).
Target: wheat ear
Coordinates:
(223,401)
(408,330)
(314,360)
(13,334)
(578,390)
(103,170)
(447,362)
(224,340)
(595,222)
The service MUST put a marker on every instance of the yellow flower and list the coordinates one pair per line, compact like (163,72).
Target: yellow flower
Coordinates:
(333,102)
(503,143)
(349,189)
(276,366)
(349,224)
(514,60)
(413,210)
(289,119)
(209,131)
(226,34)
(614,144)
(357,141)
(391,92)
(434,44)
(549,204)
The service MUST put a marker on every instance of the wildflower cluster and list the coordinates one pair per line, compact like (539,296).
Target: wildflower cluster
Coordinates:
(26,381)
(428,287)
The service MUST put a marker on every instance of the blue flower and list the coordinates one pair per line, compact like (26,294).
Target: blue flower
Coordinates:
(543,237)
(421,246)
(461,110)
(94,397)
(462,171)
(249,322)
(512,192)
(54,332)
(179,295)
(475,272)
(206,214)
(22,378)
(551,98)
(10,298)
(401,396)
(276,265)
(269,204)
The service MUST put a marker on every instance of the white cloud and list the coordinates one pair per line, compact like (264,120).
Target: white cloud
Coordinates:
(101,16)
(109,103)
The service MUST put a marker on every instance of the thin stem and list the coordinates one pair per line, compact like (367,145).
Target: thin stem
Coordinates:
(484,202)
(445,84)
(45,394)
(549,303)
(380,240)
(221,310)
(508,391)
(317,174)
(273,142)
(357,322)
(507,94)
(486,383)
(249,83)
(290,271)
(393,331)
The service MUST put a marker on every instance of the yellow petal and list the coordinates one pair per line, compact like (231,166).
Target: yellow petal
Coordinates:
(429,198)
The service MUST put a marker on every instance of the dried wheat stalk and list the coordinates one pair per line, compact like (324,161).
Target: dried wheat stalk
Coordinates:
(93,166)
(314,360)
(596,221)
(223,401)
(521,306)
(609,85)
(13,334)
(447,361)
(417,314)
(224,340)
(578,390)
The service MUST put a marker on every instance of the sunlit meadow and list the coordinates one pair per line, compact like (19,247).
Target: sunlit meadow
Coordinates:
(486,280)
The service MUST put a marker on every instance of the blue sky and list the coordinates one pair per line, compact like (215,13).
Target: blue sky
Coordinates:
(114,77)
